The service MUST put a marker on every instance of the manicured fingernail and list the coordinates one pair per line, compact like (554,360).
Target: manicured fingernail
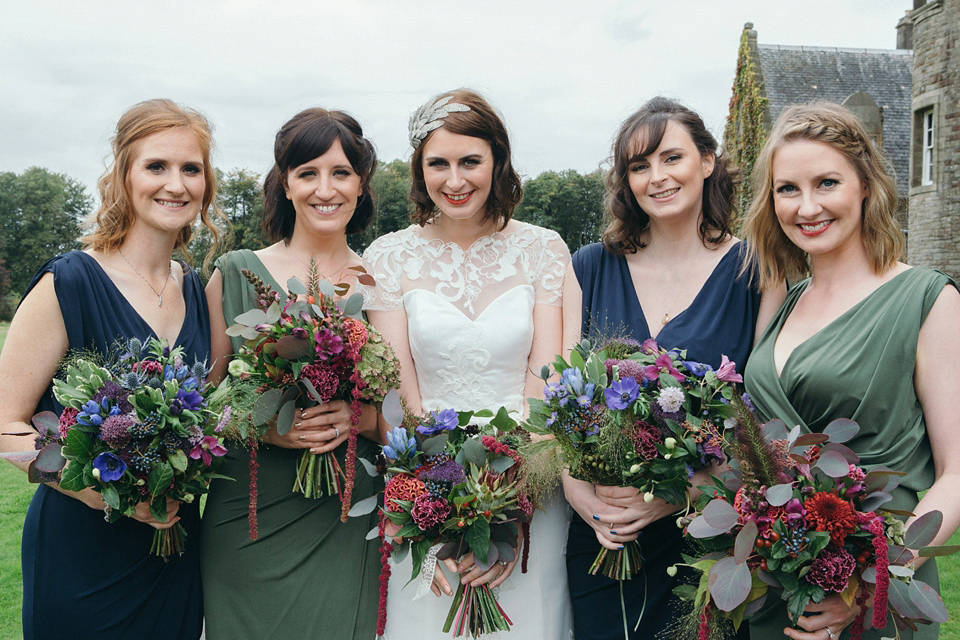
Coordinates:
(612,532)
(639,534)
(596,517)
(619,547)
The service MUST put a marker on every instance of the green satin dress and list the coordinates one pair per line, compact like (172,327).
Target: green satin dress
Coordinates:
(860,366)
(307,575)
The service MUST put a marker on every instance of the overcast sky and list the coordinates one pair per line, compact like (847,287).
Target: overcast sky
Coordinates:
(563,74)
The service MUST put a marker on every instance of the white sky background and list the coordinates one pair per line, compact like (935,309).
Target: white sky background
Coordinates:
(564,74)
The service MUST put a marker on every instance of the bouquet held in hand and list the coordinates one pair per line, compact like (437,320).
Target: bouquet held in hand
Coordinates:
(307,349)
(633,415)
(799,519)
(453,488)
(141,427)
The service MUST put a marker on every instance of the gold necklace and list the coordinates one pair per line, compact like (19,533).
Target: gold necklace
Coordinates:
(159,294)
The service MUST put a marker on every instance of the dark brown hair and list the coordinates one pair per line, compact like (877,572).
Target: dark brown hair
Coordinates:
(306,136)
(116,214)
(626,219)
(481,121)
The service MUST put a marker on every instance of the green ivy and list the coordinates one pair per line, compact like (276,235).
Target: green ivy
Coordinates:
(745,132)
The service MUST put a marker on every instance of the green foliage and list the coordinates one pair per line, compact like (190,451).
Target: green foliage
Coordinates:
(240,198)
(568,202)
(745,132)
(41,213)
(391,188)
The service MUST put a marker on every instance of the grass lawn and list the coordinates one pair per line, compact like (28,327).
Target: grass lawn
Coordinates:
(15,494)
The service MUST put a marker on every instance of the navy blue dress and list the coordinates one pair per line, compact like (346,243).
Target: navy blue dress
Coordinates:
(84,577)
(719,321)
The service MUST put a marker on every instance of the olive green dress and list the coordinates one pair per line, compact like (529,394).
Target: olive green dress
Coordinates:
(307,575)
(860,366)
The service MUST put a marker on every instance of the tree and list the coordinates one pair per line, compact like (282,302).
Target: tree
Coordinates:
(391,188)
(568,202)
(41,213)
(240,198)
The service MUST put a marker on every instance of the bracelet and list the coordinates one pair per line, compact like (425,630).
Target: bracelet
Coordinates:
(107,511)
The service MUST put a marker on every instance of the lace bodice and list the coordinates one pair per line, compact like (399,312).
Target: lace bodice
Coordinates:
(469,312)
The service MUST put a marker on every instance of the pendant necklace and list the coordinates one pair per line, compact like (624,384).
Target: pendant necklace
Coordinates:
(159,294)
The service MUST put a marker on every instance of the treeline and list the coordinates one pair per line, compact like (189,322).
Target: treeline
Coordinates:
(43,214)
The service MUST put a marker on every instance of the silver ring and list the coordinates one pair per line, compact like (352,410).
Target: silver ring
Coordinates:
(337,429)
(303,437)
(502,563)
(830,633)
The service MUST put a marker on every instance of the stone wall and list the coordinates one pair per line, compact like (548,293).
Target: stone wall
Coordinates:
(934,223)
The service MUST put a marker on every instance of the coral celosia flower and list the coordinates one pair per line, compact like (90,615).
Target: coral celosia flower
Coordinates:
(402,487)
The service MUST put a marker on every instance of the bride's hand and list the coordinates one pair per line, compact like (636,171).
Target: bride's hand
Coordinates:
(475,576)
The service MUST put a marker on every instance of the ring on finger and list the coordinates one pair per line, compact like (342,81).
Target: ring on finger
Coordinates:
(337,431)
(830,633)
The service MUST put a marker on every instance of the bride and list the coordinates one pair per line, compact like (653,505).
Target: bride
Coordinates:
(471,302)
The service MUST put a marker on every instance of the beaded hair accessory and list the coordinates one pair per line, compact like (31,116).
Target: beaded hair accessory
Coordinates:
(429,117)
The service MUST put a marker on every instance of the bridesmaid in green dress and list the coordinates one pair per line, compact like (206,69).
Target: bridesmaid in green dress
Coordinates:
(307,575)
(864,337)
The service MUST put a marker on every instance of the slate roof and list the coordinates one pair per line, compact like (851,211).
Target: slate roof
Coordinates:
(794,74)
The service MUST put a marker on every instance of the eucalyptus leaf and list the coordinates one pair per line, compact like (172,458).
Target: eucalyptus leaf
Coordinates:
(20,456)
(720,514)
(833,464)
(392,408)
(252,318)
(50,459)
(939,550)
(729,583)
(923,530)
(295,286)
(841,430)
(743,546)
(293,348)
(775,430)
(326,289)
(899,599)
(368,466)
(47,422)
(474,452)
(312,390)
(779,495)
(235,330)
(872,501)
(807,439)
(285,417)
(501,464)
(373,534)
(363,507)
(435,444)
(352,305)
(265,406)
(928,601)
(700,528)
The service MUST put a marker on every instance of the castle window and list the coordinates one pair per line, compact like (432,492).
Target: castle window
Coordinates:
(926,146)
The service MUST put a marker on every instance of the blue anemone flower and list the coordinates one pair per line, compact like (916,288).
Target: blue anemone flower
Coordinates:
(622,393)
(445,420)
(110,466)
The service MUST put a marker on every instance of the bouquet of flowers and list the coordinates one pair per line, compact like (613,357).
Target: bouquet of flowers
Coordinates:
(455,487)
(799,516)
(141,427)
(309,349)
(631,414)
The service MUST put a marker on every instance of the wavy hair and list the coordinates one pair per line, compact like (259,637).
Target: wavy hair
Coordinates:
(116,214)
(627,220)
(306,136)
(481,121)
(774,254)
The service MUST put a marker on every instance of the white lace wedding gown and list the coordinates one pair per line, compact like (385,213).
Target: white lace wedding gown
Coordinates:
(470,325)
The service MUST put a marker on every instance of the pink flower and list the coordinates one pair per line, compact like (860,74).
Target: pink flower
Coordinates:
(664,364)
(68,418)
(727,371)
(832,569)
(207,449)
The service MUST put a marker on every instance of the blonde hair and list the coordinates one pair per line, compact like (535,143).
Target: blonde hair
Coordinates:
(775,256)
(116,214)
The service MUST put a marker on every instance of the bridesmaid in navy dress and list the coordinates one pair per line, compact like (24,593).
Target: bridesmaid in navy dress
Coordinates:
(668,268)
(83,577)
